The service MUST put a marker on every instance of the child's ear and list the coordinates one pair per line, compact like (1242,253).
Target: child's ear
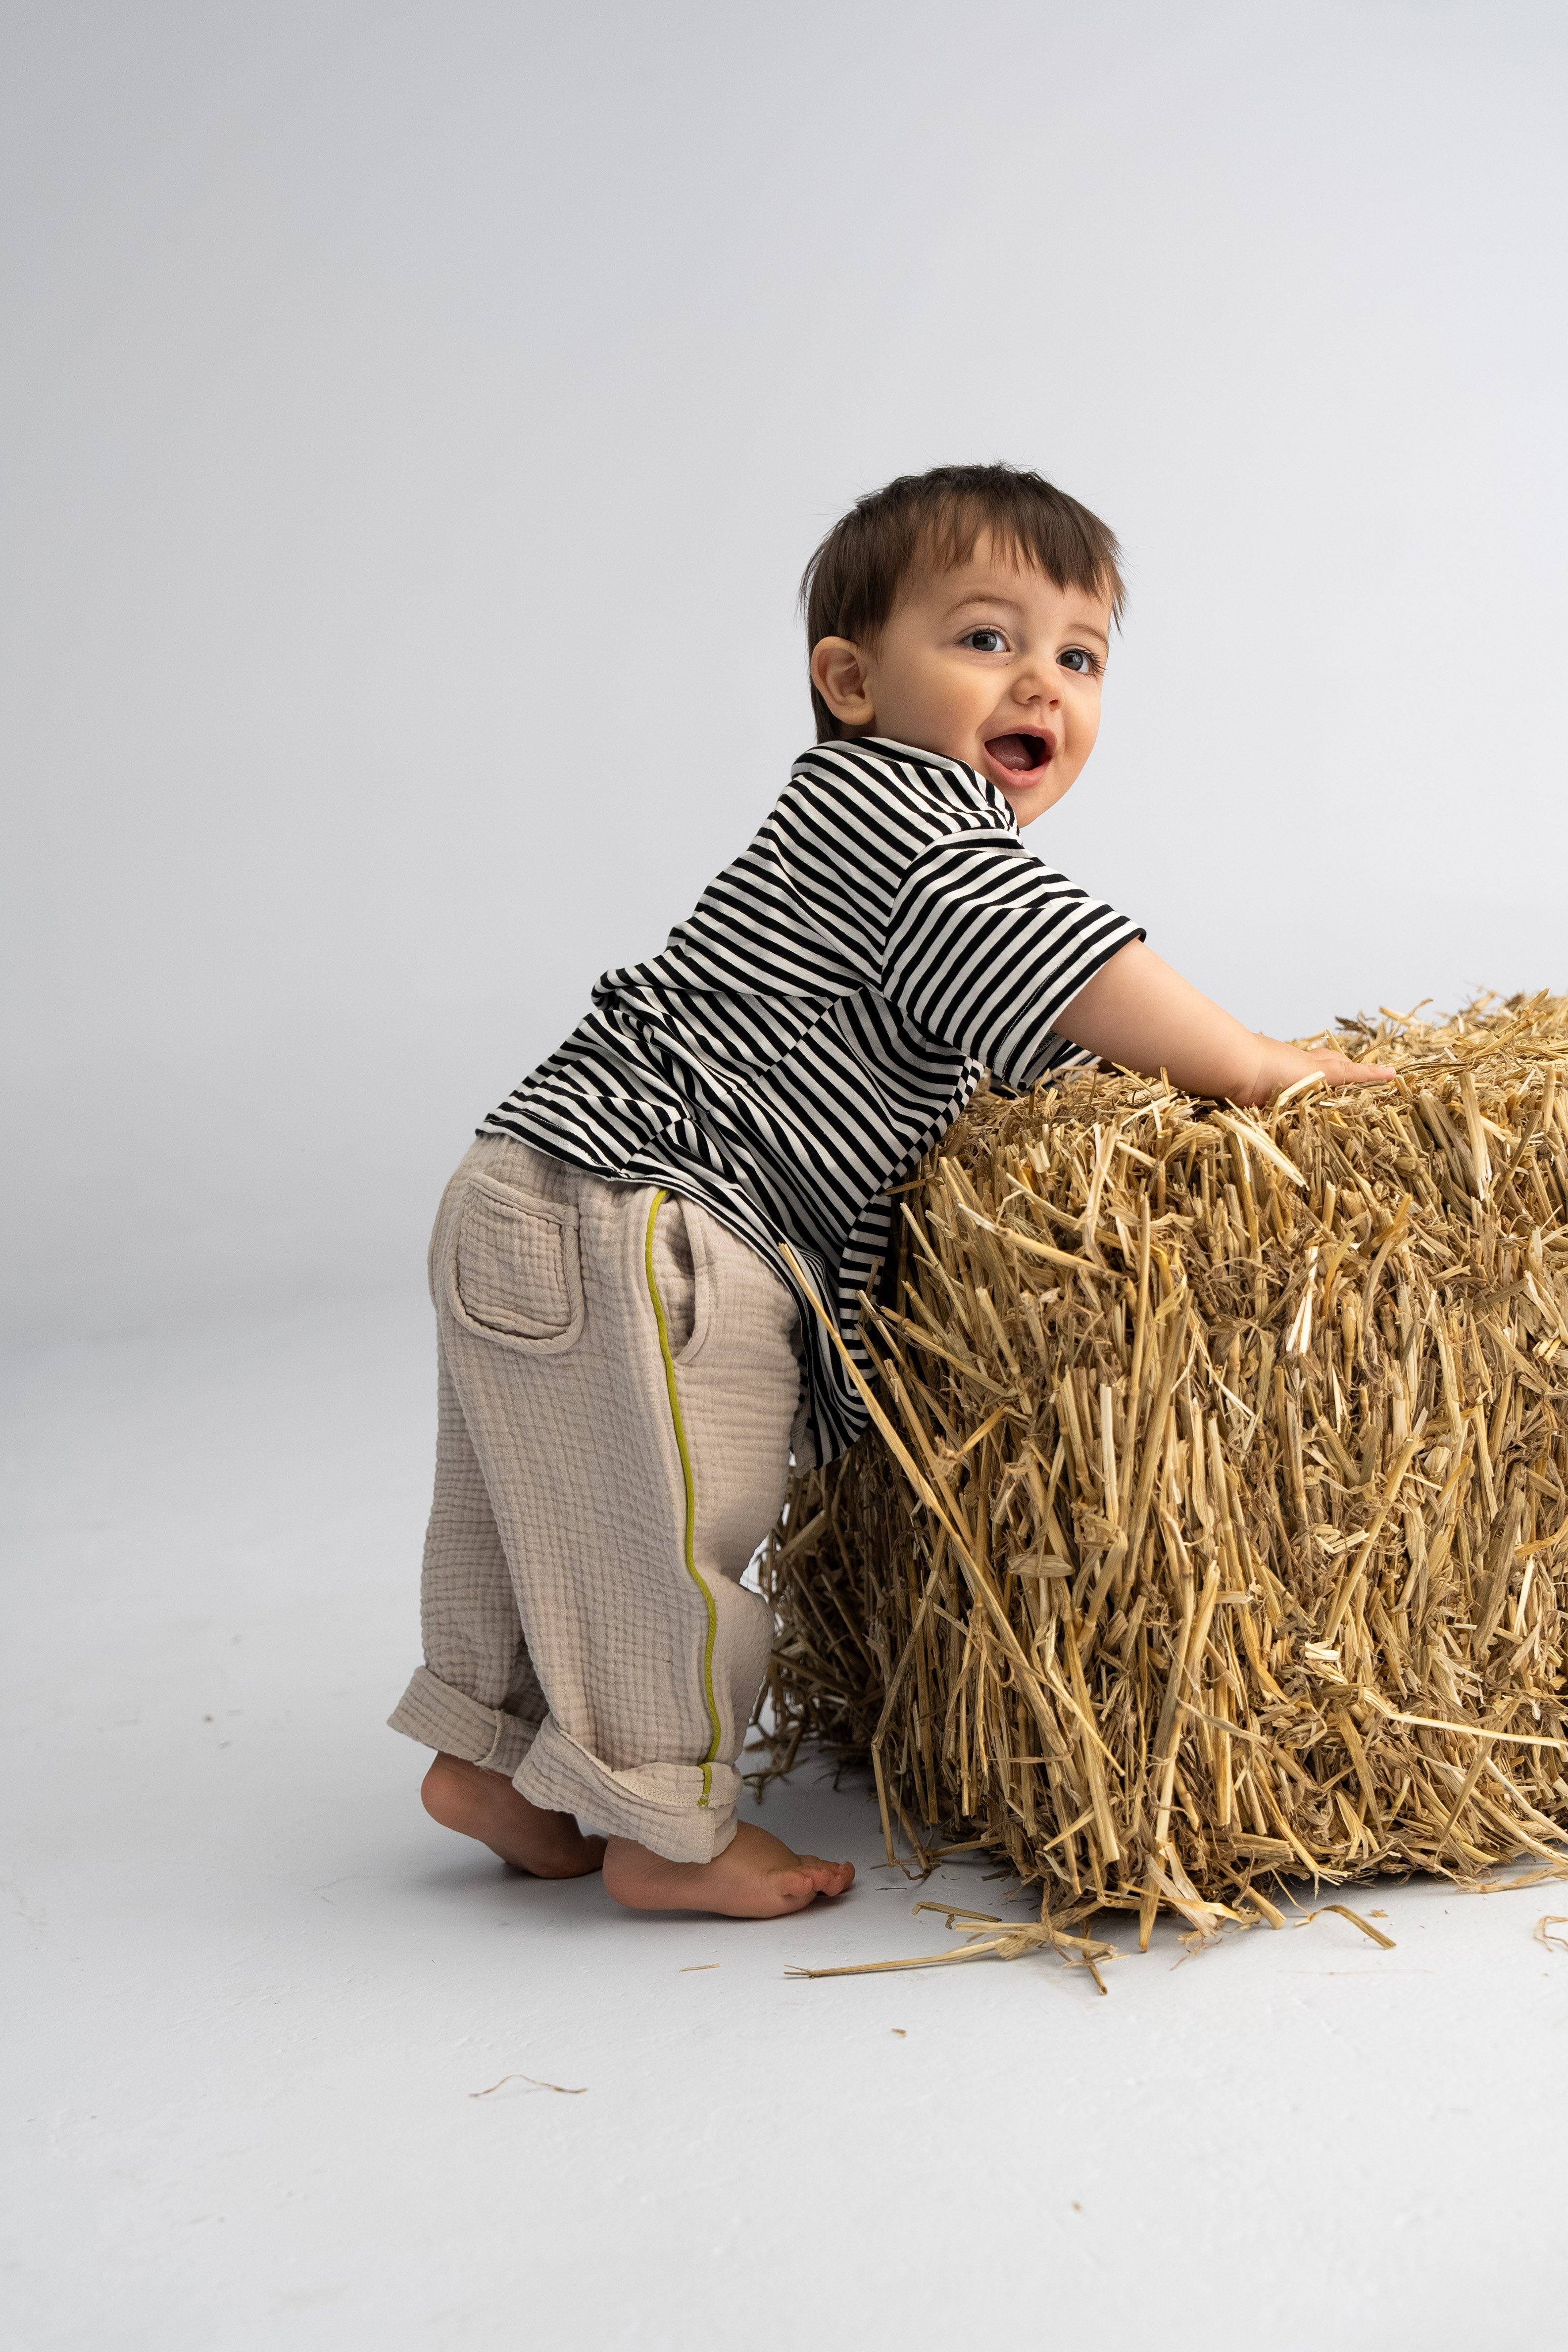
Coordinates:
(839,673)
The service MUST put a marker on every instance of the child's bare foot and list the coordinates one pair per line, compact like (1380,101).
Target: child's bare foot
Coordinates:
(756,1878)
(485,1805)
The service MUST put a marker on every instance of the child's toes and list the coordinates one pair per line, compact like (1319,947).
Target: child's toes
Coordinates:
(800,1886)
(795,1886)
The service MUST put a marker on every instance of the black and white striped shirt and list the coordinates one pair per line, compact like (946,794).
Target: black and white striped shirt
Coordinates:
(822,1017)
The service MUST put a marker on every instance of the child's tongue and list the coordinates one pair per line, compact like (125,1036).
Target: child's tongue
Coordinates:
(1011,752)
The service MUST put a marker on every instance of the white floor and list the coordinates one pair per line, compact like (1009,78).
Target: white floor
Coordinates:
(258,1993)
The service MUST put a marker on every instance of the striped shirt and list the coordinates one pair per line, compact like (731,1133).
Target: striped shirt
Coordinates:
(821,1018)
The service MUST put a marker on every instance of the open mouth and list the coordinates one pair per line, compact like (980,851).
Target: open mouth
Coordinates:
(1020,753)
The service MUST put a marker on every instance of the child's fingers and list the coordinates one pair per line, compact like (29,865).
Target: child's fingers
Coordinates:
(1340,1071)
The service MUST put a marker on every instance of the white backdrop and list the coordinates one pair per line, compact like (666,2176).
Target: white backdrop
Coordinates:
(417,416)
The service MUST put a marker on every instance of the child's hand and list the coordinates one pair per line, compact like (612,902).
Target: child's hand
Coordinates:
(1286,1066)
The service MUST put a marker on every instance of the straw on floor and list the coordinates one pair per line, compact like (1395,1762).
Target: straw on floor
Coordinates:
(1214,1526)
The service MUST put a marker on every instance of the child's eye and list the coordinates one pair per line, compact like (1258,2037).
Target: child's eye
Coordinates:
(1079,658)
(986,640)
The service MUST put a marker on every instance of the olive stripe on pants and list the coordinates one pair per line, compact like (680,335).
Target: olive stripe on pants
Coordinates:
(690,1552)
(618,1379)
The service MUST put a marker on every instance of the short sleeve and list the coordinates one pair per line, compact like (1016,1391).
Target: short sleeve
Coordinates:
(986,946)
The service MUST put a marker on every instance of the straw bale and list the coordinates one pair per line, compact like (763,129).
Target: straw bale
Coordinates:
(1214,1526)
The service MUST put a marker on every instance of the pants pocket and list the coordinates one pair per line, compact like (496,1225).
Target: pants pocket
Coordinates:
(679,1271)
(514,1269)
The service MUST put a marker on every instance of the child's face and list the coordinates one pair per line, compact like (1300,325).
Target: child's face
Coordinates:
(991,664)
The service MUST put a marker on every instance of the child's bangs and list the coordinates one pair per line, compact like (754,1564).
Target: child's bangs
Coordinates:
(1057,536)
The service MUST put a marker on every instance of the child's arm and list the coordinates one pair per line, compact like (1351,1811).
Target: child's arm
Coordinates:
(1138,1011)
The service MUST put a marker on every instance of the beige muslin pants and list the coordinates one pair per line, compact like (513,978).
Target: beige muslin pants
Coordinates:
(618,1381)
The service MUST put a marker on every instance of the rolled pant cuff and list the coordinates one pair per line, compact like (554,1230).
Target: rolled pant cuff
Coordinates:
(684,1812)
(439,1715)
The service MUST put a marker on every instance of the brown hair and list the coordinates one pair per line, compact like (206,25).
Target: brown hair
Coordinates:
(852,582)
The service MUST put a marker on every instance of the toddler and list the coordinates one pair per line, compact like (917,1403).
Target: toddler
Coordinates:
(625,1358)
